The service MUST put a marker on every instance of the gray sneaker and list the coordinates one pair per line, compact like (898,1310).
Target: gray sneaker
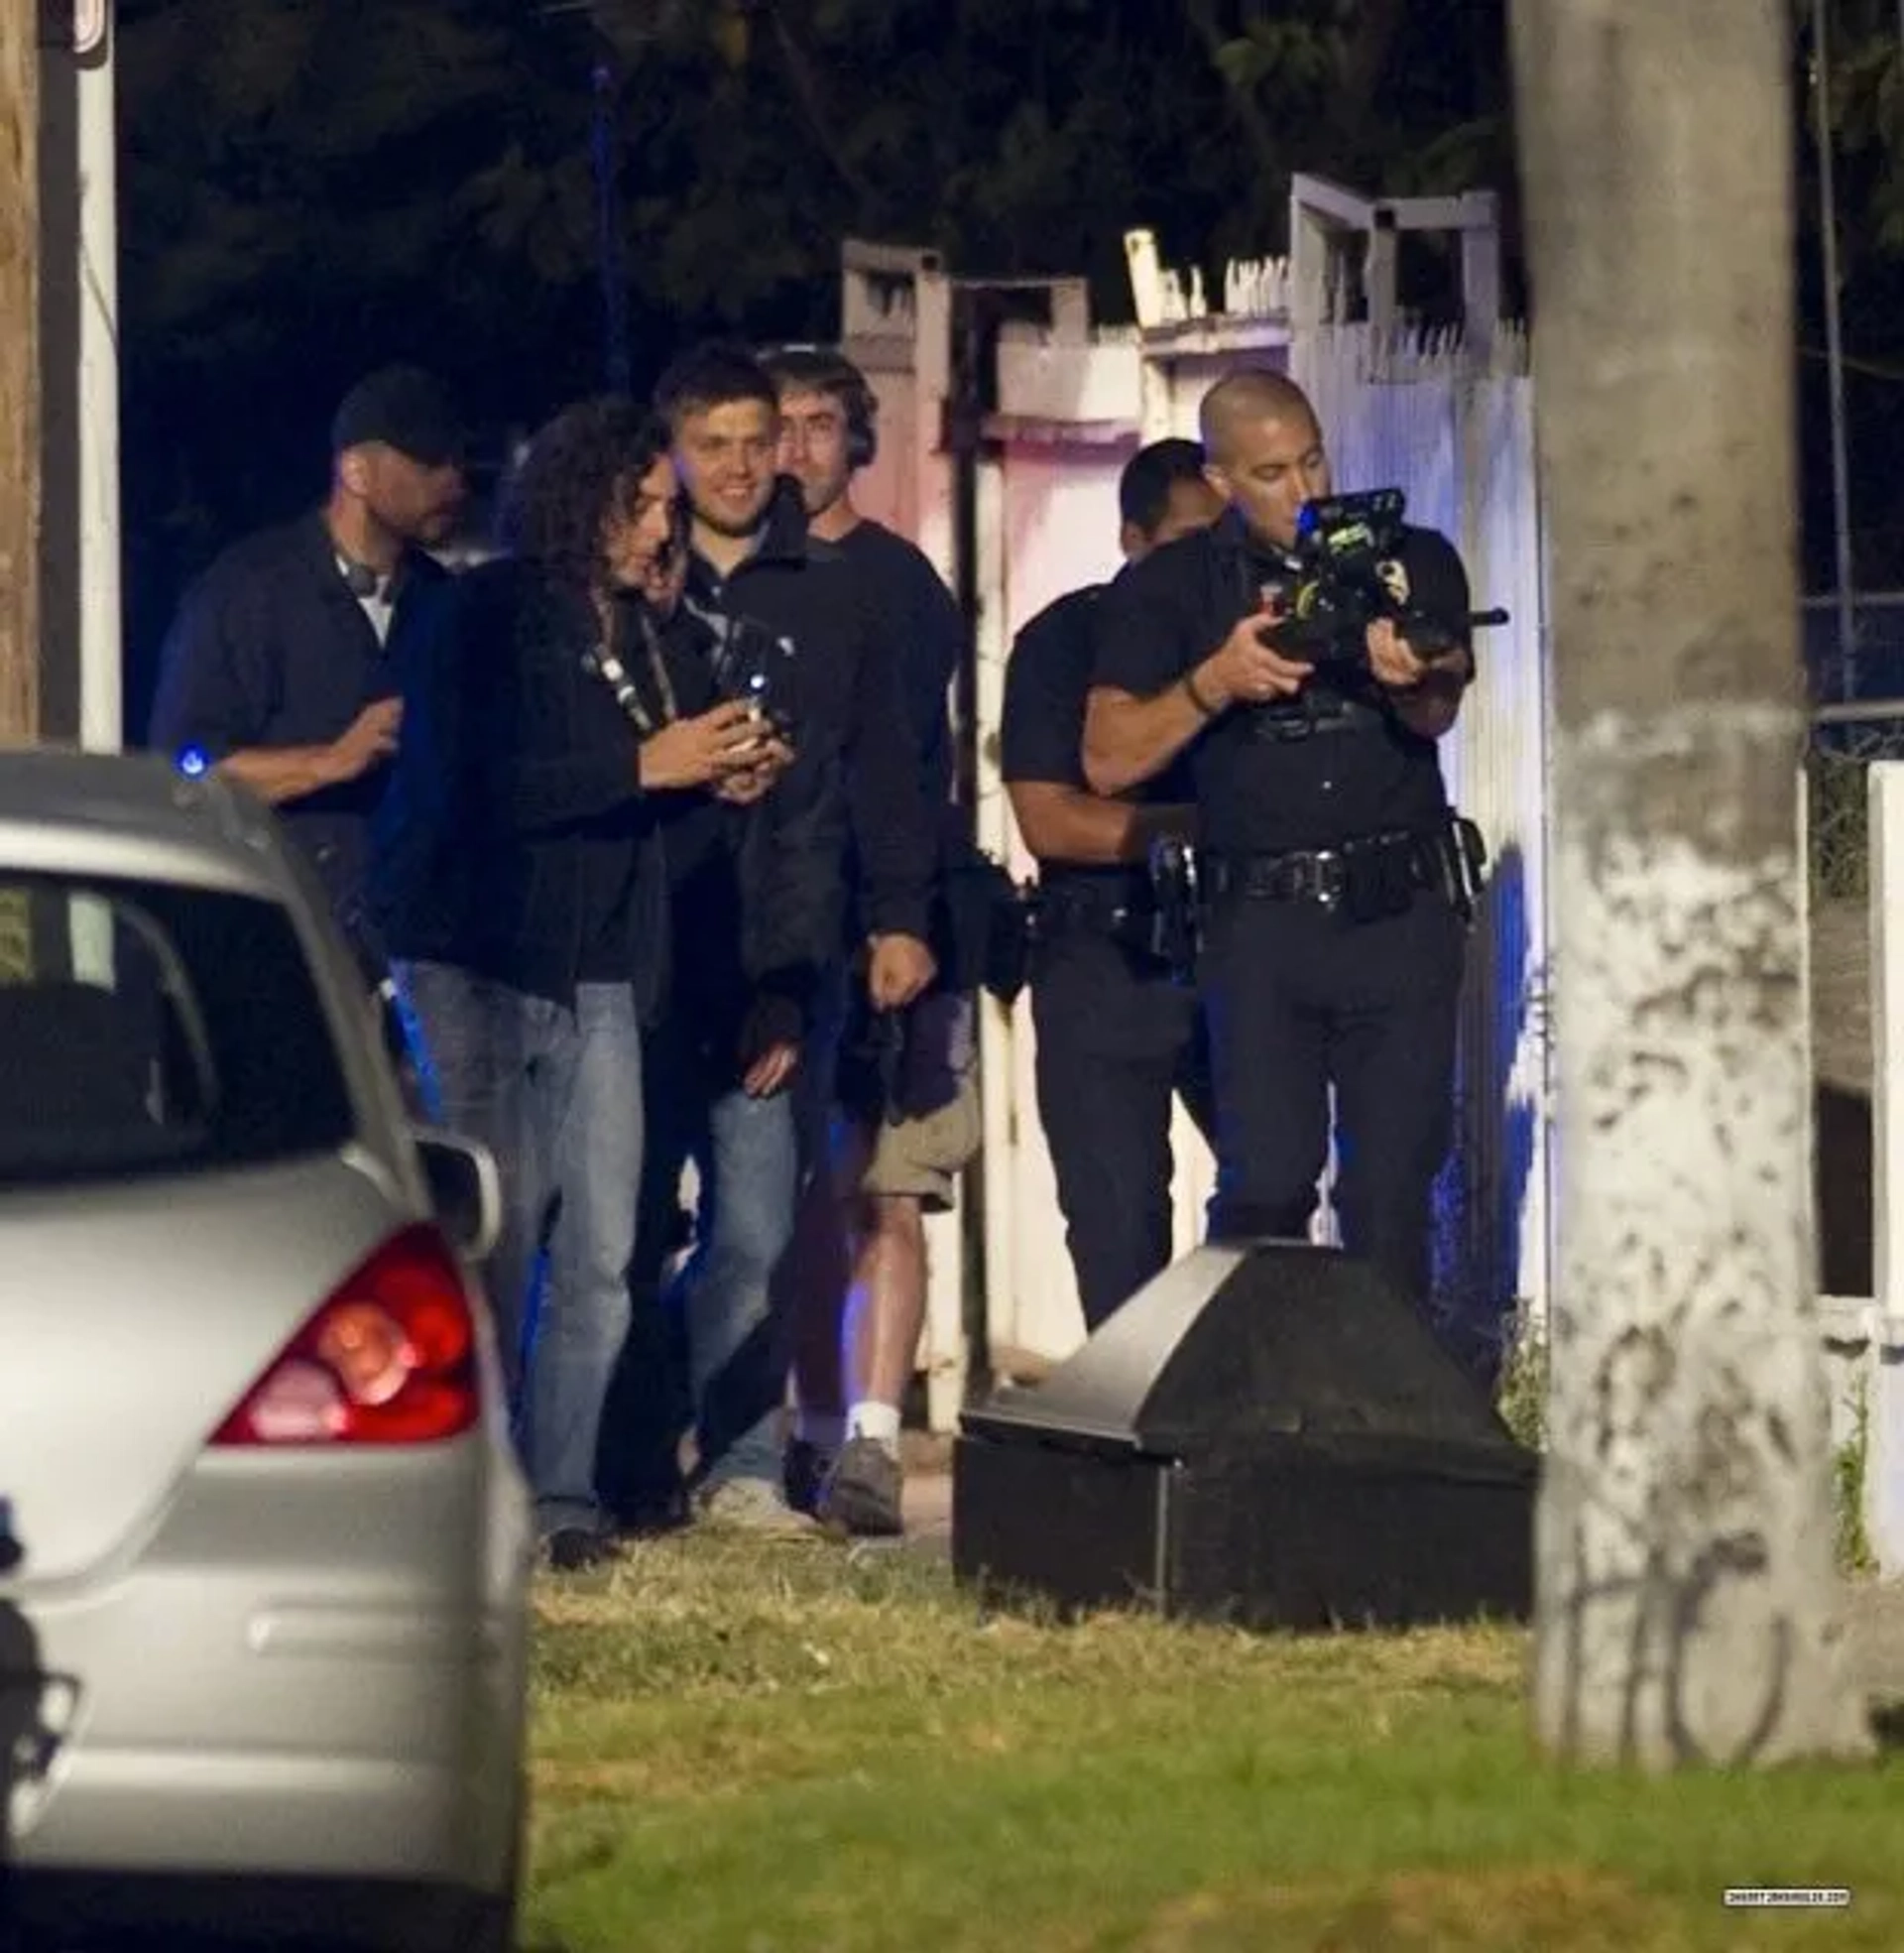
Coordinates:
(862,1490)
(752,1504)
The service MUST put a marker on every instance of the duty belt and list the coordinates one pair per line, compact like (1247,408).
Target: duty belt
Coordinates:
(1301,718)
(1375,875)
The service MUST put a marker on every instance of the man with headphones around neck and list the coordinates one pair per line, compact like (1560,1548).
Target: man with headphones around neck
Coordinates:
(277,671)
(857,1340)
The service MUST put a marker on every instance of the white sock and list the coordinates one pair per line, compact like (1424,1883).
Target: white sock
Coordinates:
(878,1422)
(825,1430)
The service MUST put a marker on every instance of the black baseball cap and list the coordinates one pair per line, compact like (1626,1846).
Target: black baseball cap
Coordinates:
(404,408)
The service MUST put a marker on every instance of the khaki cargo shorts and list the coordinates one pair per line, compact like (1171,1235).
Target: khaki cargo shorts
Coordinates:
(923,1158)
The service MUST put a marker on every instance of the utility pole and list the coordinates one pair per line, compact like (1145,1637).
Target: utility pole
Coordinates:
(1685,1579)
(19,374)
(611,253)
(1844,576)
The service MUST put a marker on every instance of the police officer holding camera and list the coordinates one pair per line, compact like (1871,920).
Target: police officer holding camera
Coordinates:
(1331,869)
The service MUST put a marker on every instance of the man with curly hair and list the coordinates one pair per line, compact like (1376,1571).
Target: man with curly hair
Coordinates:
(522,886)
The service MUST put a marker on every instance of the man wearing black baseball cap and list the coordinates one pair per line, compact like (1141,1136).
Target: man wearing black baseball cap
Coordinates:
(278,670)
(404,409)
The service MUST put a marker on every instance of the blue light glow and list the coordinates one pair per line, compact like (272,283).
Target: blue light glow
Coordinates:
(191,762)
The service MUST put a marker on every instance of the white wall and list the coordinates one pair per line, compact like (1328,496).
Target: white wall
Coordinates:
(1055,530)
(1415,414)
(887,491)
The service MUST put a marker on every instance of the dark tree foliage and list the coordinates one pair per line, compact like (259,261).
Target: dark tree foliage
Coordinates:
(311,187)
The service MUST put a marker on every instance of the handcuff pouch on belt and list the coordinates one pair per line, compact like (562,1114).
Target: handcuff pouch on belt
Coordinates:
(1177,897)
(1133,914)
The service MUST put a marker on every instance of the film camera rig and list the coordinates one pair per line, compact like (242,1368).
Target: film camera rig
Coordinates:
(1348,575)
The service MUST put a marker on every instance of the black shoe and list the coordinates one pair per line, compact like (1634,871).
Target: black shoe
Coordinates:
(862,1490)
(804,1470)
(578,1549)
(656,1505)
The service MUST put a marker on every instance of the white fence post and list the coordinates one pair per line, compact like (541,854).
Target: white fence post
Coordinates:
(1884,1362)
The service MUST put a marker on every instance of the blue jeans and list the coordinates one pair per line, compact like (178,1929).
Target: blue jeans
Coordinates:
(466,1039)
(748,1155)
(556,1093)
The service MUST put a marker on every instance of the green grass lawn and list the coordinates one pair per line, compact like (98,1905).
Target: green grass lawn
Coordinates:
(754,1748)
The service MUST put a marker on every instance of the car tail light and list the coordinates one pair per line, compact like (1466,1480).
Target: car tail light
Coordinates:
(389,1359)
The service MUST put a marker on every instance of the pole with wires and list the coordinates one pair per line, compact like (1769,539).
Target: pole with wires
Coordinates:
(610,263)
(1835,352)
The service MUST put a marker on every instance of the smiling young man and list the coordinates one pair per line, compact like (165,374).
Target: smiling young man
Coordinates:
(1333,956)
(774,595)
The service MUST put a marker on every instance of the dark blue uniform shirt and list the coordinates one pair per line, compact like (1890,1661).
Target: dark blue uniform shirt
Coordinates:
(1332,764)
(270,648)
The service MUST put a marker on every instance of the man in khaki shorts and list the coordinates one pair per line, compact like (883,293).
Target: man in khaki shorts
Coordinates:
(919,1158)
(857,1268)
(914,1147)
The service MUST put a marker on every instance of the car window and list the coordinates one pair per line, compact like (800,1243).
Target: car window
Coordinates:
(153,1027)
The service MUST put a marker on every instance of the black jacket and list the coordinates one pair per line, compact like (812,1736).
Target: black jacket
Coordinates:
(758,898)
(850,709)
(515,802)
(271,649)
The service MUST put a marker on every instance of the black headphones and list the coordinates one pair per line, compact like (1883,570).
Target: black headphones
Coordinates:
(815,369)
(862,418)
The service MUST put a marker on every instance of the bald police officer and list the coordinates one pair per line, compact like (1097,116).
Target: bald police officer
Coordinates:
(1332,957)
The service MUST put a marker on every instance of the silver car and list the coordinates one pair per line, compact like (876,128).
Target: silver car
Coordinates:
(264,1547)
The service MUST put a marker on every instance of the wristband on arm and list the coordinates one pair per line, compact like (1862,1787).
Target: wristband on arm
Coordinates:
(1196,698)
